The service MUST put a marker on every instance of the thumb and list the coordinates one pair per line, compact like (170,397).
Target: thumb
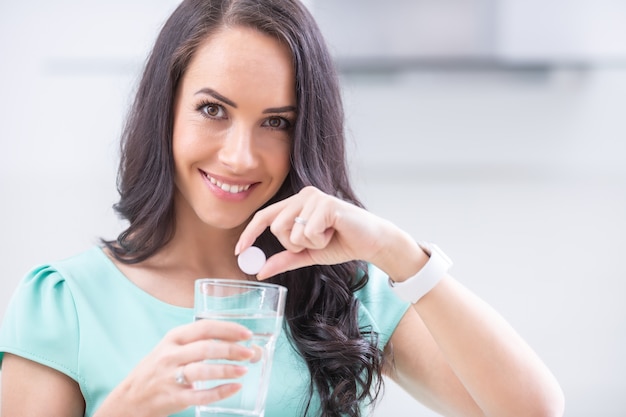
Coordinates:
(284,261)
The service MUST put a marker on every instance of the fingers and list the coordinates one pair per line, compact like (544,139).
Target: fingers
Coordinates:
(202,371)
(261,220)
(284,261)
(214,349)
(202,397)
(209,339)
(315,226)
(289,233)
(204,350)
(316,213)
(207,330)
(207,360)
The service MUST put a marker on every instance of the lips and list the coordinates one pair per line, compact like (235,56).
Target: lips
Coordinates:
(226,187)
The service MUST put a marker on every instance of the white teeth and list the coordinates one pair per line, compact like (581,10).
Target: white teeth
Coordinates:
(229,188)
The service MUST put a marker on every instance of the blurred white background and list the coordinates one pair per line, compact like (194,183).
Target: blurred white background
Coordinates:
(494,128)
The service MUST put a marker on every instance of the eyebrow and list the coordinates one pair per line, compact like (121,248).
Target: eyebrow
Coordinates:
(285,109)
(215,94)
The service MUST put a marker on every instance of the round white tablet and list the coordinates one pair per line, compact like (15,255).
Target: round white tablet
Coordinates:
(251,260)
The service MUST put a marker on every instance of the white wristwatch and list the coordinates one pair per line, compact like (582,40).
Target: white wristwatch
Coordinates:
(426,278)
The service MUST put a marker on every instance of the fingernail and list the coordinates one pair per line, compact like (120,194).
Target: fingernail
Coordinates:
(257,354)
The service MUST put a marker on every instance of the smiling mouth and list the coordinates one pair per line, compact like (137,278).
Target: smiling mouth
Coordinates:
(229,188)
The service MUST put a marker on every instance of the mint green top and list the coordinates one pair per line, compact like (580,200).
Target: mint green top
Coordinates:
(84,318)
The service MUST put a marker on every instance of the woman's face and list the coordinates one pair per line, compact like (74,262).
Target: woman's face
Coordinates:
(233,116)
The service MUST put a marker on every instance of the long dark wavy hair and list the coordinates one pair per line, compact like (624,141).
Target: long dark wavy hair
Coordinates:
(344,360)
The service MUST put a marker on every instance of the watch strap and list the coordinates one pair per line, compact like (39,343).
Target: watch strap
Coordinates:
(426,278)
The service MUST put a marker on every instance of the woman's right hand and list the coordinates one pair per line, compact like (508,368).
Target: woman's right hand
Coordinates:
(151,388)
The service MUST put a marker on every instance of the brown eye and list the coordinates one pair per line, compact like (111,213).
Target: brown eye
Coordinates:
(277,123)
(212,110)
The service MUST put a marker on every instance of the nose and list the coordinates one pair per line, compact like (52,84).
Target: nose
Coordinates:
(237,151)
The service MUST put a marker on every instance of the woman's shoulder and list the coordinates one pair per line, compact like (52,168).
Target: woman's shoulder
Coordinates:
(88,262)
(55,286)
(41,321)
(57,273)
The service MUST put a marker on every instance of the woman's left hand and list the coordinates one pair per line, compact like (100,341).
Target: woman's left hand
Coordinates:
(329,231)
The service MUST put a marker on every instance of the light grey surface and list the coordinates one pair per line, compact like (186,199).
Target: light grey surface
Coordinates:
(523,183)
(519,177)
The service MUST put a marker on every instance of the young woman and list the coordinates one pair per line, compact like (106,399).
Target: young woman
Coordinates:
(236,138)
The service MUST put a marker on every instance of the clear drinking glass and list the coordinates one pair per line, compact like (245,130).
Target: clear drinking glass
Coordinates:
(257,306)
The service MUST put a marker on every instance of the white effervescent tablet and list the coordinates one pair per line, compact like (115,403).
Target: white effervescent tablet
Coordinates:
(251,260)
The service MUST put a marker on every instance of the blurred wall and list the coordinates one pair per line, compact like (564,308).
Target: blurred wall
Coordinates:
(519,175)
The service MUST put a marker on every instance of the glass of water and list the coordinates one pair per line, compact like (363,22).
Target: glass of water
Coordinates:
(259,307)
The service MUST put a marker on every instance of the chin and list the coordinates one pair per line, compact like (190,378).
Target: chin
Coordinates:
(225,222)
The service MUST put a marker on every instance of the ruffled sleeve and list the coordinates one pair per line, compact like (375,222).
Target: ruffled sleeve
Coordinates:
(381,309)
(41,323)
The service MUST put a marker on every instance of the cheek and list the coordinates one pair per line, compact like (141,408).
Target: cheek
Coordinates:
(180,141)
(190,142)
(282,161)
(179,153)
(185,153)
